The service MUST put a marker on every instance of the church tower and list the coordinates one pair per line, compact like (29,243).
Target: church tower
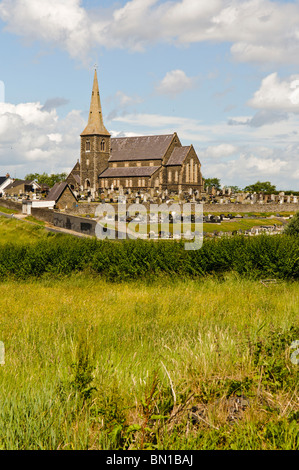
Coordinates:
(95,144)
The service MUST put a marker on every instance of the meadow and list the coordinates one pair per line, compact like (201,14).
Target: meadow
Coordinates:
(172,365)
(100,353)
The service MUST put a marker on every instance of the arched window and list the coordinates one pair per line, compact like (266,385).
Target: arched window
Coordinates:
(176,176)
(87,184)
(195,173)
(169,176)
(191,170)
(187,173)
(103,145)
(87,146)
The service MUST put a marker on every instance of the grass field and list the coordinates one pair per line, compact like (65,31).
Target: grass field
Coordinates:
(7,211)
(94,365)
(242,224)
(18,231)
(160,362)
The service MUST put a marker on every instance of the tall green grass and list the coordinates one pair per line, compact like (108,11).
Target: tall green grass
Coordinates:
(91,364)
(15,231)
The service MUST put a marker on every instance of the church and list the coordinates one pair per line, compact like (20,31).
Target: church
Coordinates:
(137,163)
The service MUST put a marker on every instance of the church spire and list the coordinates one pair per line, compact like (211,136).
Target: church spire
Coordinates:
(95,125)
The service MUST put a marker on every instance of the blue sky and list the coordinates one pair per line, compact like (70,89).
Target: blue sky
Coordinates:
(223,74)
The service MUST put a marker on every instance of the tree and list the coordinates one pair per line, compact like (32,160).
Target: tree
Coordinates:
(212,182)
(44,178)
(235,189)
(261,187)
(292,228)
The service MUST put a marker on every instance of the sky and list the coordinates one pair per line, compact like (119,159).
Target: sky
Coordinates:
(223,74)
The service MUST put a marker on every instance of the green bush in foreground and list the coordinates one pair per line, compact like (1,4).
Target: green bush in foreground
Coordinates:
(262,256)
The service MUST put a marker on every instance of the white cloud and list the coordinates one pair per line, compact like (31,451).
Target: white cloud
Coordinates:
(249,167)
(175,82)
(263,117)
(64,23)
(259,30)
(219,151)
(33,139)
(277,94)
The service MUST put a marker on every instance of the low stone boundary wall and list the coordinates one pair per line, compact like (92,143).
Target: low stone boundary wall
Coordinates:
(242,208)
(17,206)
(89,208)
(72,222)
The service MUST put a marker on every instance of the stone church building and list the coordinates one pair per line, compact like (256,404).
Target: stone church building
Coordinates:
(138,163)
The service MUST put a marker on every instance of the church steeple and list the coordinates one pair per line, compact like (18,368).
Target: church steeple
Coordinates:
(95,144)
(95,125)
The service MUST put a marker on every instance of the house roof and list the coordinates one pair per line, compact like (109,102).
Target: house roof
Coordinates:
(178,156)
(77,178)
(16,183)
(2,179)
(151,147)
(57,190)
(122,172)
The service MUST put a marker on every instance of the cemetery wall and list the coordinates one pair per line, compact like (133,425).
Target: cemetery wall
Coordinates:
(17,206)
(242,208)
(89,208)
(77,224)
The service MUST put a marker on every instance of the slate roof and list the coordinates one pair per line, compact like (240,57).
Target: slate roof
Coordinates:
(16,183)
(56,191)
(2,179)
(77,178)
(125,171)
(178,156)
(151,147)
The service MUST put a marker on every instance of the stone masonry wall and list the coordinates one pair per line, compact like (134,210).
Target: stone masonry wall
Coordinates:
(242,208)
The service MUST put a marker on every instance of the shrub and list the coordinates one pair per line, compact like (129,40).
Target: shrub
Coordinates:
(255,257)
(292,228)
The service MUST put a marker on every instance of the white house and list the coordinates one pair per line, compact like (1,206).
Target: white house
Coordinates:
(4,182)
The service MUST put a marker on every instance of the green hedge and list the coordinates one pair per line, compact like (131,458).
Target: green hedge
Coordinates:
(260,256)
